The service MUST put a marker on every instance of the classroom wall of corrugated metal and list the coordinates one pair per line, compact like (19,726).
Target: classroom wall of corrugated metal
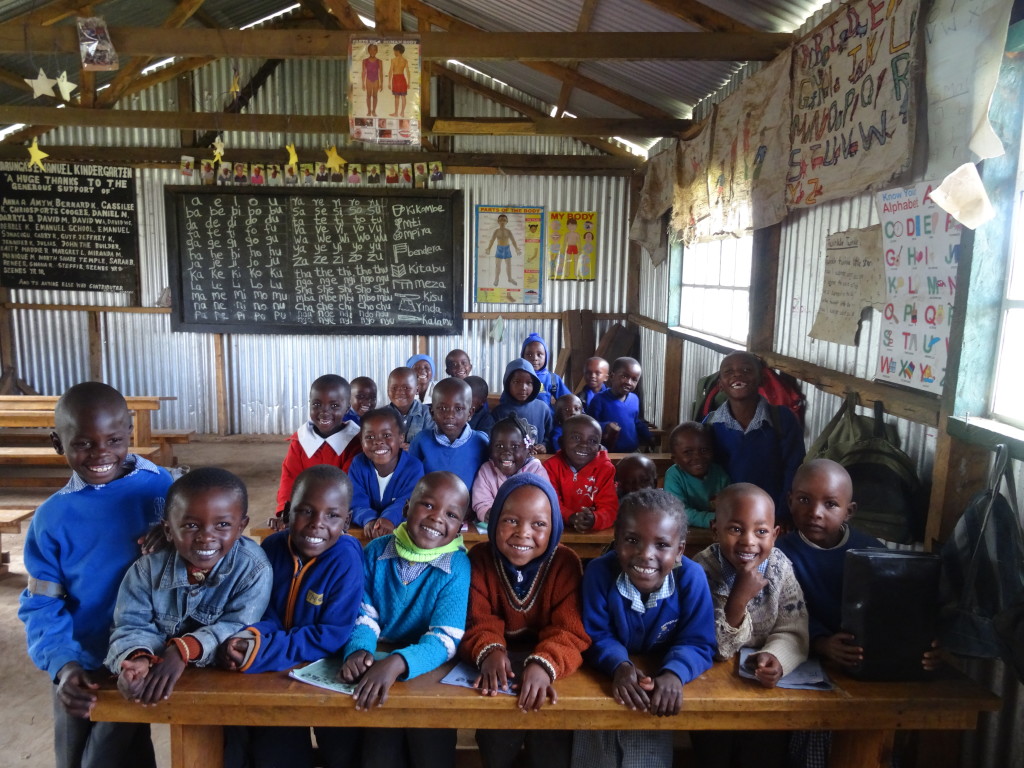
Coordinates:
(267,376)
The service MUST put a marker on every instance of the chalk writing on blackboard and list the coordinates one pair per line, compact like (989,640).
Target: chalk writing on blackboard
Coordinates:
(70,228)
(307,262)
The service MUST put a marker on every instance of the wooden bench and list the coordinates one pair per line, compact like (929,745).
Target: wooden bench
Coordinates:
(863,715)
(141,408)
(11,519)
(47,457)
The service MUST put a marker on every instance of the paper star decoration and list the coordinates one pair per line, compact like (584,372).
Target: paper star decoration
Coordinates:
(293,157)
(218,150)
(335,162)
(235,88)
(36,154)
(65,86)
(42,85)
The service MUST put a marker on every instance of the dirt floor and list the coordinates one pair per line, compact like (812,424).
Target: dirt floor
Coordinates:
(27,734)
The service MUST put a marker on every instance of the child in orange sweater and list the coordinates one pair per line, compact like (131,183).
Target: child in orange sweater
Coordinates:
(524,586)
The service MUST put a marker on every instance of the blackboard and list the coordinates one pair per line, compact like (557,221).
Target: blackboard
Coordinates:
(258,260)
(70,227)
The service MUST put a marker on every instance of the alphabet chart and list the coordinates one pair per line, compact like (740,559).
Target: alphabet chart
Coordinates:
(921,248)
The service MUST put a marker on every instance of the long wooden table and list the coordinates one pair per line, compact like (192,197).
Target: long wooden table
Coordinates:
(864,715)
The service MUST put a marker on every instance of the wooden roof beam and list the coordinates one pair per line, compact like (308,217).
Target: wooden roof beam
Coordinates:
(246,95)
(50,13)
(556,126)
(582,25)
(700,16)
(387,14)
(436,46)
(342,11)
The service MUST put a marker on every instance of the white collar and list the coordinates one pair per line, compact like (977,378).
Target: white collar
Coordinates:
(311,441)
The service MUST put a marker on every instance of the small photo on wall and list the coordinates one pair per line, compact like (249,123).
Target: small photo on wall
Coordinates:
(291,175)
(187,166)
(274,176)
(436,172)
(241,174)
(322,174)
(306,177)
(419,175)
(391,173)
(355,174)
(257,175)
(207,172)
(406,171)
(373,173)
(224,174)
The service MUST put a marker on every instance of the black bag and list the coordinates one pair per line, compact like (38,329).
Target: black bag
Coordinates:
(891,607)
(889,496)
(983,575)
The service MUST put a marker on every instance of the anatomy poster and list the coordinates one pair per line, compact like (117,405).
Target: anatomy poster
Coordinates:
(921,249)
(572,245)
(508,254)
(384,90)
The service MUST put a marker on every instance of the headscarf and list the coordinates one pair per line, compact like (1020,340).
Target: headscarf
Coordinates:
(416,358)
(524,582)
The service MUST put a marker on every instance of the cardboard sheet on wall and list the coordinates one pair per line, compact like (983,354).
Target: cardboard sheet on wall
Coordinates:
(854,279)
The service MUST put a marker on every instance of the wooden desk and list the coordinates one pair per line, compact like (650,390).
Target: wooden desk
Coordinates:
(864,715)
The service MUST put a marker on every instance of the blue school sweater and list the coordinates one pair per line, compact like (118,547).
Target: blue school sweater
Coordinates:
(606,408)
(482,420)
(761,456)
(84,538)
(427,616)
(313,604)
(679,629)
(437,455)
(367,504)
(820,573)
(551,385)
(535,411)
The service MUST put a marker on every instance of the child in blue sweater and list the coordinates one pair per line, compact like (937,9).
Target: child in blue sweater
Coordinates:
(535,352)
(314,602)
(645,597)
(79,545)
(451,445)
(617,409)
(416,595)
(414,415)
(755,442)
(383,475)
(565,407)
(482,420)
(521,397)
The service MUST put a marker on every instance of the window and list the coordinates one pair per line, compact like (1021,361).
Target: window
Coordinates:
(715,287)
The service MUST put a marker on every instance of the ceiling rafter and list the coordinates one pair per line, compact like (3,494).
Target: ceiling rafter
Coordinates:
(700,16)
(50,13)
(246,95)
(582,25)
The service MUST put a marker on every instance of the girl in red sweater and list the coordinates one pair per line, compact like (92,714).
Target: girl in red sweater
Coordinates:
(524,592)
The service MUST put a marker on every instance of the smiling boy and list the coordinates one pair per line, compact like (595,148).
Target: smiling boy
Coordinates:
(416,596)
(163,621)
(694,477)
(452,445)
(325,438)
(595,378)
(364,398)
(618,409)
(79,545)
(583,477)
(414,415)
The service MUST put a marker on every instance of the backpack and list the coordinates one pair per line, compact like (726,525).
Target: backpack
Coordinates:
(983,575)
(777,388)
(889,496)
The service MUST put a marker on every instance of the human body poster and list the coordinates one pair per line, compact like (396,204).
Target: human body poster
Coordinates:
(508,254)
(921,250)
(572,245)
(856,84)
(384,90)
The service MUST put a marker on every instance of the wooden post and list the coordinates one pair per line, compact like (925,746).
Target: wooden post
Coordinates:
(388,16)
(184,83)
(960,470)
(764,281)
(222,391)
(6,332)
(95,347)
(672,393)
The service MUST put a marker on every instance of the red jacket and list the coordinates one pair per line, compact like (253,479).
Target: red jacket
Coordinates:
(592,486)
(296,460)
(551,620)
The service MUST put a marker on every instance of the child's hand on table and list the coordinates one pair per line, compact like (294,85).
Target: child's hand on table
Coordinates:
(355,666)
(377,528)
(933,658)
(73,689)
(767,669)
(535,687)
(495,673)
(667,697)
(583,520)
(231,653)
(630,687)
(132,677)
(840,649)
(377,681)
(159,683)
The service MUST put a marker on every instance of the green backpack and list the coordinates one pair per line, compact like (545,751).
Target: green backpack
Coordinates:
(891,502)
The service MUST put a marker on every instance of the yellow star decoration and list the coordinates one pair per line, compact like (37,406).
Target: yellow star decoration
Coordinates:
(335,162)
(218,150)
(293,157)
(235,88)
(36,154)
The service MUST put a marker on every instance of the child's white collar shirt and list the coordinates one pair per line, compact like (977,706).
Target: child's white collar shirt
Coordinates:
(311,441)
(629,591)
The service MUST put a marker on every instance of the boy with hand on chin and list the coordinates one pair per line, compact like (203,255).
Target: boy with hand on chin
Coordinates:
(162,622)
(415,596)
(79,545)
(325,438)
(758,603)
(452,445)
(645,597)
(583,477)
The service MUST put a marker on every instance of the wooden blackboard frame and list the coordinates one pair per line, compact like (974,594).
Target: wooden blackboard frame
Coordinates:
(174,197)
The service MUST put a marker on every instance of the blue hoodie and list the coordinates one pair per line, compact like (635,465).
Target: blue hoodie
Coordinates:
(534,410)
(552,386)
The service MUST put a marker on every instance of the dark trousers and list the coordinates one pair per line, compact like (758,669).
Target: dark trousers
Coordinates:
(409,747)
(82,743)
(544,749)
(740,749)
(289,747)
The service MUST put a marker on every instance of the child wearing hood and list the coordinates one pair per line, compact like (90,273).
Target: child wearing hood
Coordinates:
(535,352)
(524,587)
(521,397)
(423,366)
